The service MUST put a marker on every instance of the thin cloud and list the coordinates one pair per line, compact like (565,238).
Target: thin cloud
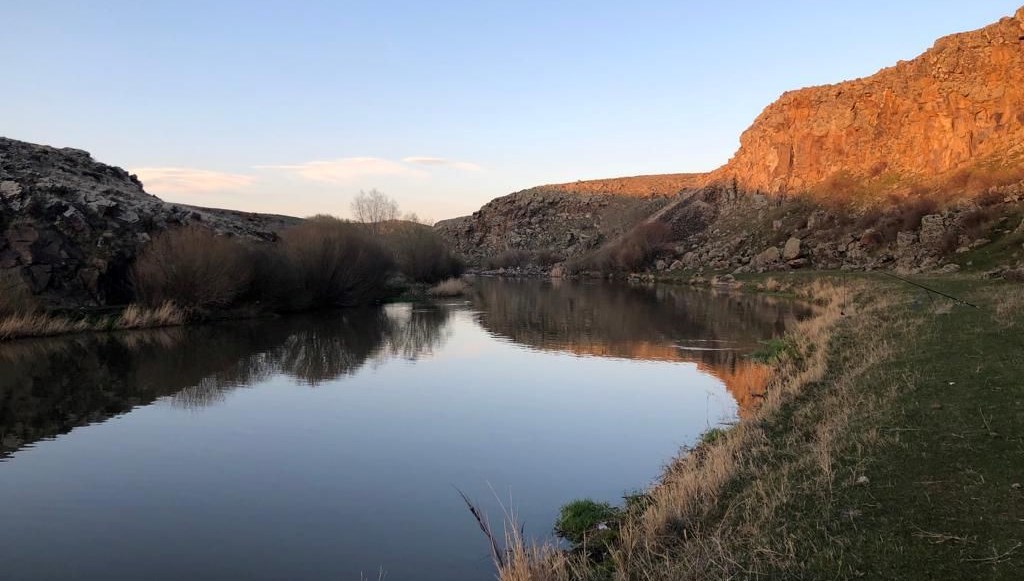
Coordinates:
(187,180)
(346,170)
(440,161)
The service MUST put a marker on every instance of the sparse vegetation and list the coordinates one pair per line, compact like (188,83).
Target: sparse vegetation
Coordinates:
(890,414)
(632,251)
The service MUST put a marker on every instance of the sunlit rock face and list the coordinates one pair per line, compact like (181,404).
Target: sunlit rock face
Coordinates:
(954,111)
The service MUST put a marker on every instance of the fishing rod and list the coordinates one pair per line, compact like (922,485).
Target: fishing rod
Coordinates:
(931,290)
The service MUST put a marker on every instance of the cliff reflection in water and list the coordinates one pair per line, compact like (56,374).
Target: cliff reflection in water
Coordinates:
(716,331)
(48,387)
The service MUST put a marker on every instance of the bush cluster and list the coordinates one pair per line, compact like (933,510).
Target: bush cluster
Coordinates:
(323,262)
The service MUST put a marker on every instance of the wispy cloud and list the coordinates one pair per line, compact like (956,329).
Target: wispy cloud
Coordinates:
(346,170)
(187,180)
(440,161)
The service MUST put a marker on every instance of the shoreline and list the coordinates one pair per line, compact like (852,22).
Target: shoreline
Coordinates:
(790,491)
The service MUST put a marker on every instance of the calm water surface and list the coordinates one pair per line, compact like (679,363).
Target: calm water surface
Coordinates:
(330,446)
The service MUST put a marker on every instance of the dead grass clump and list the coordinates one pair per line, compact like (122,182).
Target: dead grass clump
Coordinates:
(38,325)
(192,267)
(1009,306)
(139,317)
(453,287)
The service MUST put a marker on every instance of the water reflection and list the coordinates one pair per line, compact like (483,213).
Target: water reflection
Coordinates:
(658,323)
(50,386)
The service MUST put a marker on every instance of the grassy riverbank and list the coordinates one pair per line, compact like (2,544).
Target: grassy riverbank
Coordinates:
(890,445)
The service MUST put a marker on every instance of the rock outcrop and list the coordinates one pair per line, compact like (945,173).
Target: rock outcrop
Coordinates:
(565,220)
(950,117)
(71,227)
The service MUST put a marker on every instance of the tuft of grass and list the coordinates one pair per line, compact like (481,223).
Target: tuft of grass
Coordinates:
(583,518)
(712,435)
(139,317)
(453,287)
(776,350)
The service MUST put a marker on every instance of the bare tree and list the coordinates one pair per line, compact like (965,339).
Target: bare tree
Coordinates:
(374,207)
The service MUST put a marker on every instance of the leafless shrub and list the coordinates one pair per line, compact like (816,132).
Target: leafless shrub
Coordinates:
(192,267)
(633,251)
(420,253)
(15,296)
(332,263)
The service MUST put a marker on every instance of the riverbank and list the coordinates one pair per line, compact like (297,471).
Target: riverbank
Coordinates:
(894,452)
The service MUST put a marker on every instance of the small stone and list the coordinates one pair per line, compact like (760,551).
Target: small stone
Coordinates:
(862,481)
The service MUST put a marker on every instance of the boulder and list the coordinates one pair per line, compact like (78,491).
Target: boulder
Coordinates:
(792,250)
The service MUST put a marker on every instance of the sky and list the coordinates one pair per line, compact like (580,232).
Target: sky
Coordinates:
(294,107)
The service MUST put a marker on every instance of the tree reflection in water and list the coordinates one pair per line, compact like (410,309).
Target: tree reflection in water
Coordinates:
(48,387)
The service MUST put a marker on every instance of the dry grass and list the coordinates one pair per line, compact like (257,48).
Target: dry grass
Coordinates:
(453,287)
(1008,305)
(46,325)
(139,317)
(39,325)
(720,511)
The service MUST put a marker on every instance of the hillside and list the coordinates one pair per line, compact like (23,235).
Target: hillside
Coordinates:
(917,167)
(71,226)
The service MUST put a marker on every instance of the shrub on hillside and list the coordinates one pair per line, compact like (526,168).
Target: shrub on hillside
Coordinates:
(633,251)
(333,263)
(192,267)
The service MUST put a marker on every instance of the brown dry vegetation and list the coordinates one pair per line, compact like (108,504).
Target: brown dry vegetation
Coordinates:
(420,253)
(192,267)
(720,511)
(628,253)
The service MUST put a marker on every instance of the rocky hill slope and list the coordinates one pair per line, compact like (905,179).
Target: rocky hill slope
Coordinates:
(71,226)
(917,167)
(952,115)
(563,220)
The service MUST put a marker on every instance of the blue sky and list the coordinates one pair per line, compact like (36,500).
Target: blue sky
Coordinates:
(293,107)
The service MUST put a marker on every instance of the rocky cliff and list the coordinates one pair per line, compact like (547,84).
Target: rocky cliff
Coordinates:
(918,167)
(952,117)
(71,226)
(564,220)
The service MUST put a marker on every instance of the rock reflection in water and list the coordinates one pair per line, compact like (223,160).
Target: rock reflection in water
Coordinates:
(50,386)
(716,331)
